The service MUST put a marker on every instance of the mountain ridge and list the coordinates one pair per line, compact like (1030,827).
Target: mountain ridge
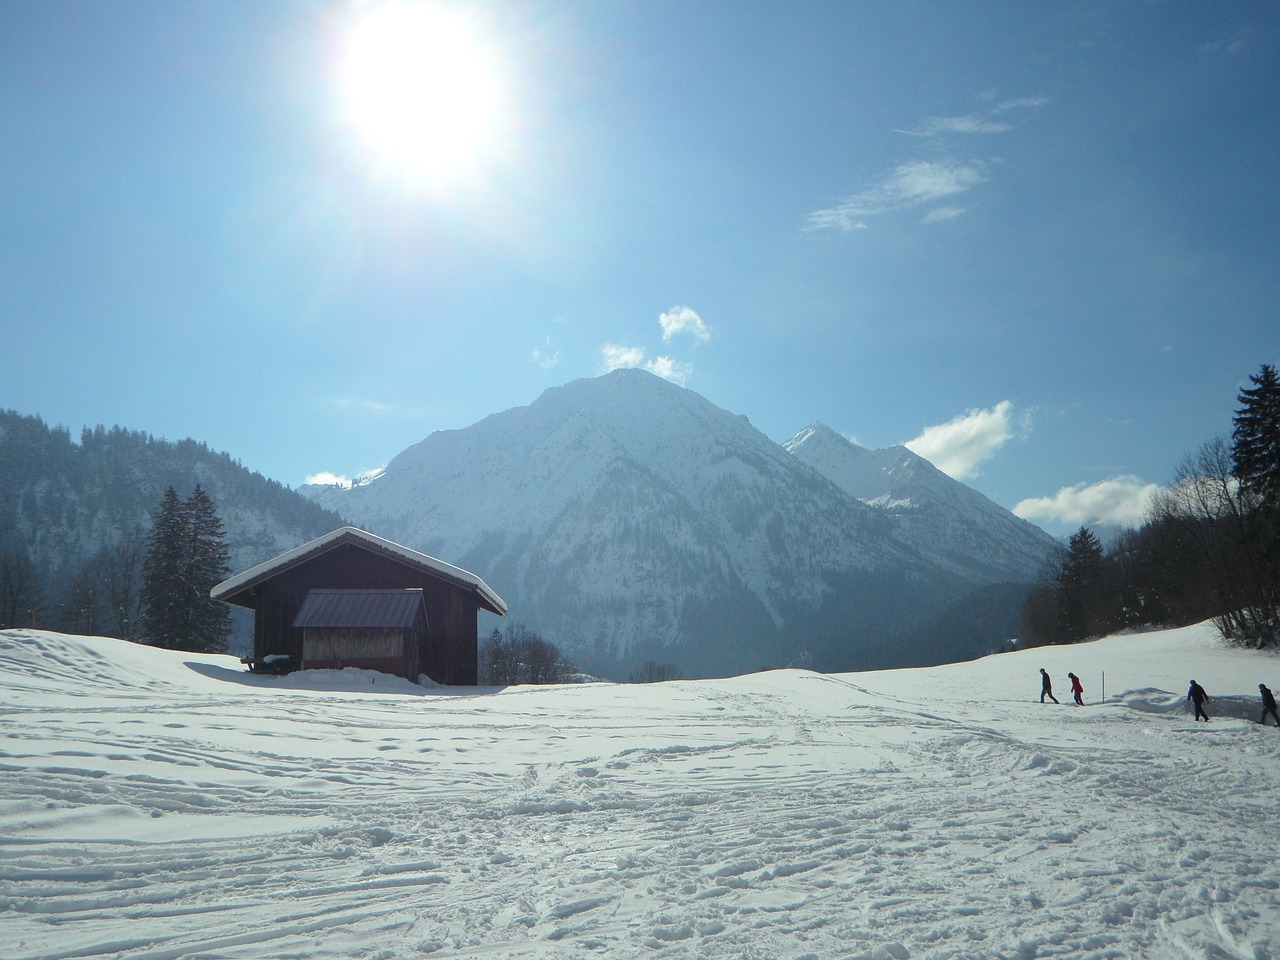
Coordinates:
(629,518)
(933,507)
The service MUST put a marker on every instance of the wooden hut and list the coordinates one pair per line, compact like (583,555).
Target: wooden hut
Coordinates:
(351,598)
(373,629)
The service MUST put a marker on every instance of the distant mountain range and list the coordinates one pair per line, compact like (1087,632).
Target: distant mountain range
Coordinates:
(624,518)
(628,519)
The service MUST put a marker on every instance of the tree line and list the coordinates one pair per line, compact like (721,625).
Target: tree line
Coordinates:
(76,513)
(1208,549)
(151,588)
(520,655)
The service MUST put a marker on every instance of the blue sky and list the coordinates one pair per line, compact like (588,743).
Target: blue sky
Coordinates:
(1036,241)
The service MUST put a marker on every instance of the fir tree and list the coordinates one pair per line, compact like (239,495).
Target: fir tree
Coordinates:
(186,557)
(209,620)
(1080,584)
(1255,462)
(164,572)
(1255,449)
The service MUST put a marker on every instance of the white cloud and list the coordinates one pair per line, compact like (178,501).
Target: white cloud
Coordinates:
(959,446)
(683,320)
(669,369)
(910,184)
(325,478)
(1121,501)
(544,356)
(617,357)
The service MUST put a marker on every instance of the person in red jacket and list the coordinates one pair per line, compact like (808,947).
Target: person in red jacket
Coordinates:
(1077,689)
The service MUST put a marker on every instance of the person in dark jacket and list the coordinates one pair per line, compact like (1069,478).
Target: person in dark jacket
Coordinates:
(1077,689)
(1268,704)
(1197,696)
(1046,687)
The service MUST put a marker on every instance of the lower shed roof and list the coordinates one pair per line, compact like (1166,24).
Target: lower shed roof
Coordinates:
(359,608)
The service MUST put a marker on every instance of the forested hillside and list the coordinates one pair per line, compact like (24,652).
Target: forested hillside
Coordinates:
(65,505)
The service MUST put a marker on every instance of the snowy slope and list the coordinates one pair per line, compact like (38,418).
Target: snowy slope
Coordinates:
(933,510)
(155,804)
(629,519)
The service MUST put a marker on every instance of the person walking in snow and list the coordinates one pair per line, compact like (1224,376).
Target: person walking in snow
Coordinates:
(1197,696)
(1046,687)
(1077,689)
(1268,705)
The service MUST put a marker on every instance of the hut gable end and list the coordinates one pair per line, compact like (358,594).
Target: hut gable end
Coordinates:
(354,576)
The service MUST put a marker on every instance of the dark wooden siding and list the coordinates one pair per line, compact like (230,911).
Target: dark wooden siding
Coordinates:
(447,651)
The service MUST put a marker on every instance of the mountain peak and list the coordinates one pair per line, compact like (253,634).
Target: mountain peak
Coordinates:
(629,518)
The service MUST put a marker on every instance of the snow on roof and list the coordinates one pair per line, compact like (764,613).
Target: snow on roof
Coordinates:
(448,571)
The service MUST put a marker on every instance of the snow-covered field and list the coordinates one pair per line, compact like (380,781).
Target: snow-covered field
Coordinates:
(157,804)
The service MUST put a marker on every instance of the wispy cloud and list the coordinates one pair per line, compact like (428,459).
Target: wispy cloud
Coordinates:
(681,319)
(913,184)
(1121,501)
(1020,104)
(544,356)
(361,404)
(959,446)
(934,126)
(615,357)
(938,214)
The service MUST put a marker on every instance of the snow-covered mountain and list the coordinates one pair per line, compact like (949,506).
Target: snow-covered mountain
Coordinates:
(933,510)
(629,519)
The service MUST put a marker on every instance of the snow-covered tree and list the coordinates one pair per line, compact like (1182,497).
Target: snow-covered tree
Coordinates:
(208,564)
(1256,438)
(185,558)
(164,571)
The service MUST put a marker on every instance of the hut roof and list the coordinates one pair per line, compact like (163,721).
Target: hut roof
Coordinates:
(236,589)
(324,607)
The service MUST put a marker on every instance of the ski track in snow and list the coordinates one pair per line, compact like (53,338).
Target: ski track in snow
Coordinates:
(204,813)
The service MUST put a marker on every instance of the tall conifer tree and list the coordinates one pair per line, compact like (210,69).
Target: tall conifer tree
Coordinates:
(1255,461)
(1255,451)
(186,557)
(164,573)
(1080,584)
(209,565)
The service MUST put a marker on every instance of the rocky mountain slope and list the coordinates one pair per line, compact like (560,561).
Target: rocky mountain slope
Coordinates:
(629,519)
(933,510)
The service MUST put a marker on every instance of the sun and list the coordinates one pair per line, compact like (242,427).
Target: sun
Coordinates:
(424,90)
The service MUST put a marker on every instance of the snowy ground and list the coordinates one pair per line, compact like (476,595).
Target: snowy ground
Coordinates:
(157,805)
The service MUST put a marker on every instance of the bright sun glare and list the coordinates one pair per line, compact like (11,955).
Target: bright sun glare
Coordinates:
(424,89)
